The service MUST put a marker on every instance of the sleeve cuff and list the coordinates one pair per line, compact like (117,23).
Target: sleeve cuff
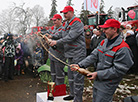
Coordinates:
(81,66)
(99,77)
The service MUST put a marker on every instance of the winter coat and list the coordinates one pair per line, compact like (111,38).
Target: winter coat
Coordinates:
(95,42)
(131,41)
(38,54)
(10,46)
(19,56)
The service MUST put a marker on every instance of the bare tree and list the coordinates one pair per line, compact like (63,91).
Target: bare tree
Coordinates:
(69,2)
(38,15)
(44,21)
(110,11)
(7,22)
(102,5)
(22,18)
(136,2)
(18,19)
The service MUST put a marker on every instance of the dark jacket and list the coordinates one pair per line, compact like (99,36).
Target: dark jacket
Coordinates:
(131,41)
(19,56)
(95,41)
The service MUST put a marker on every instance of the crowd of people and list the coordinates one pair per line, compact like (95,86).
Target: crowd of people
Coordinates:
(20,54)
(110,48)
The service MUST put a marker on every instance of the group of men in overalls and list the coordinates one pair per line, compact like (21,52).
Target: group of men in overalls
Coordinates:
(112,57)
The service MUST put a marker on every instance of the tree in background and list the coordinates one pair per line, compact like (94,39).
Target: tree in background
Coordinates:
(22,18)
(136,2)
(7,22)
(18,20)
(69,3)
(84,15)
(102,5)
(15,18)
(110,11)
(38,15)
(53,11)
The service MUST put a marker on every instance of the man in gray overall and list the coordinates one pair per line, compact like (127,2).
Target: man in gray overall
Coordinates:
(57,68)
(73,38)
(112,58)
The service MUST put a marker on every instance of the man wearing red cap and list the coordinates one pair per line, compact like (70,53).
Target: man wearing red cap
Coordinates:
(57,68)
(73,38)
(112,58)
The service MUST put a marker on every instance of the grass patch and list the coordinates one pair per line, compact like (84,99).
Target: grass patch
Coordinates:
(48,63)
(45,76)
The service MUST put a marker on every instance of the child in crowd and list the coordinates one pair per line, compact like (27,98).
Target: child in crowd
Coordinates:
(19,59)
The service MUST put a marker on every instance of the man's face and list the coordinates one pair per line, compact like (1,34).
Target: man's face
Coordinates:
(85,27)
(67,15)
(87,33)
(56,22)
(94,32)
(110,32)
(98,33)
(128,28)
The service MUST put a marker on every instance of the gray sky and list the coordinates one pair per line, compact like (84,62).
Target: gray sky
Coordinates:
(46,4)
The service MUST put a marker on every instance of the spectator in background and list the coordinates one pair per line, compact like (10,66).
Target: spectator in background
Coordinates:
(88,36)
(134,30)
(122,28)
(131,41)
(94,33)
(9,52)
(137,36)
(38,55)
(86,29)
(102,33)
(97,39)
(26,55)
(19,59)
(128,27)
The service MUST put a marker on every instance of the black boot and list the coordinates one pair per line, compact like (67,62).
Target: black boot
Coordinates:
(18,72)
(68,98)
(15,73)
(50,98)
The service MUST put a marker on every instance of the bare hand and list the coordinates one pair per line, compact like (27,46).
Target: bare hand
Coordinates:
(2,41)
(52,42)
(74,67)
(48,35)
(38,33)
(93,75)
